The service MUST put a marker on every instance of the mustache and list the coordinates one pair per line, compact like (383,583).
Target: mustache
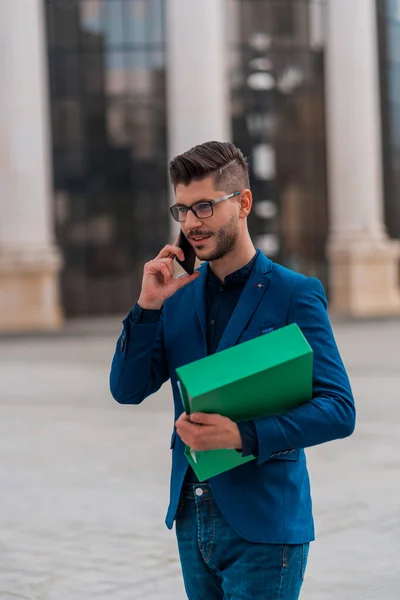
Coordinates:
(198,234)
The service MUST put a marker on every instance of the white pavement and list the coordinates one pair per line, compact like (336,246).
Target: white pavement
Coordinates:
(84,481)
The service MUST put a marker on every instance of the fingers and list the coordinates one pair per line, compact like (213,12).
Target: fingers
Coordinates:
(155,267)
(169,263)
(165,271)
(187,431)
(182,419)
(160,265)
(208,432)
(183,425)
(165,266)
(196,436)
(191,425)
(171,251)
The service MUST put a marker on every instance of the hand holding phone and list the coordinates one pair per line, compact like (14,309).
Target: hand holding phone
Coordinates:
(189,252)
(159,282)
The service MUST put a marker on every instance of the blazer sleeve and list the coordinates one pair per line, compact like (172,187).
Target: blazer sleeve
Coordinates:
(139,367)
(330,414)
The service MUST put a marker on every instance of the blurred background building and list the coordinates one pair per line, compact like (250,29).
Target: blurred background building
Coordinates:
(97,95)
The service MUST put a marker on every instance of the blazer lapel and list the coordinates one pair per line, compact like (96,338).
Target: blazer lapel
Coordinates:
(199,287)
(249,300)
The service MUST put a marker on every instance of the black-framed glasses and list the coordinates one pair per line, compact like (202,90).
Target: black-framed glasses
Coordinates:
(204,209)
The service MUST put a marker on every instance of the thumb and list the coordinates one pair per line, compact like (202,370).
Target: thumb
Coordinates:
(203,418)
(186,279)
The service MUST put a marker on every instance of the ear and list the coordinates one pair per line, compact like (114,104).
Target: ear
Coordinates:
(246,202)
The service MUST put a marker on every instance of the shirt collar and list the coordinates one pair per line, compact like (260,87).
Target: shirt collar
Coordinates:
(239,276)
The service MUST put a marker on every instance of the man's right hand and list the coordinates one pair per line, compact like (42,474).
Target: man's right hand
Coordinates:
(159,282)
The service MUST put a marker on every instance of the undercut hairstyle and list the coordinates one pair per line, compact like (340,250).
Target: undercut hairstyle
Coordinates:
(221,160)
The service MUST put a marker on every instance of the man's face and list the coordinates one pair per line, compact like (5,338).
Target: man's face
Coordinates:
(216,236)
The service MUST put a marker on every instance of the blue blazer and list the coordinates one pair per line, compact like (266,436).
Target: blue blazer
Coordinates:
(268,499)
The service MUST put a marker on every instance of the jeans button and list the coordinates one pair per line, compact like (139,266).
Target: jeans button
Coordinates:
(199,492)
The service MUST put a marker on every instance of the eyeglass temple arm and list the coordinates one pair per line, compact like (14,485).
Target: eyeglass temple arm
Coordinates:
(224,198)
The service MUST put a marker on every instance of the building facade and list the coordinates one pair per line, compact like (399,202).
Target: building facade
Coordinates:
(102,93)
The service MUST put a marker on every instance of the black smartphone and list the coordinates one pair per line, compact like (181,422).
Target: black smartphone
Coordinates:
(189,252)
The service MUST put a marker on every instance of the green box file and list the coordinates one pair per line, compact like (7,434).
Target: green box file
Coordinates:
(268,375)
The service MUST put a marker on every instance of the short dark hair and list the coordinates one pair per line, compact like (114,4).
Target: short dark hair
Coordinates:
(223,160)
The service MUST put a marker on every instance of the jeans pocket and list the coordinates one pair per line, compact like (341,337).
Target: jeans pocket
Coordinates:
(295,556)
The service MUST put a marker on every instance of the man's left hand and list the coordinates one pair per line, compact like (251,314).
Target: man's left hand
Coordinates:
(202,431)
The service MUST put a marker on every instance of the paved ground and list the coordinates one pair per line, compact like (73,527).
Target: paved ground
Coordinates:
(84,481)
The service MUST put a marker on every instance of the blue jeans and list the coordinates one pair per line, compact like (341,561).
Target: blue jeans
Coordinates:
(218,564)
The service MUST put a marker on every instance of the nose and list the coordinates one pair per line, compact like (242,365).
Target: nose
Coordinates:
(191,220)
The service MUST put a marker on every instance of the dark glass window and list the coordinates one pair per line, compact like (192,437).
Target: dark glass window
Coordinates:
(277,94)
(107,92)
(389,60)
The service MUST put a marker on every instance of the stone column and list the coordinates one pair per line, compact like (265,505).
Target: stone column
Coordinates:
(364,263)
(29,261)
(198,96)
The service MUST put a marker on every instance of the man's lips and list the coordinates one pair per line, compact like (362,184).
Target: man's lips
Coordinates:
(198,238)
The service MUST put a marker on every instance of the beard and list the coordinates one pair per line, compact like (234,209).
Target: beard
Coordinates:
(225,242)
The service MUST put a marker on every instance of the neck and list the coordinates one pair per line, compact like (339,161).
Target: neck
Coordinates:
(234,260)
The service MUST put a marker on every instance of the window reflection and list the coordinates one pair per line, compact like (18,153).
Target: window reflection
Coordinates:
(107,88)
(114,24)
(277,91)
(389,51)
(145,22)
(91,15)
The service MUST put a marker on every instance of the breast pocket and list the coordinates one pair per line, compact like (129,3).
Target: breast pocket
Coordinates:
(254,331)
(289,455)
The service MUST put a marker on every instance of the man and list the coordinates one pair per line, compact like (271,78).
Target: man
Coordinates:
(245,533)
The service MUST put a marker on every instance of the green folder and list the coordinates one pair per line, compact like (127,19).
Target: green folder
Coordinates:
(268,375)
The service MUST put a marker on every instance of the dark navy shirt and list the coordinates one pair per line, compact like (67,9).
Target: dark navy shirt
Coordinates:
(221,300)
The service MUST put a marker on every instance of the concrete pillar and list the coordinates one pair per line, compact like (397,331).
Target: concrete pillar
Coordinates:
(29,261)
(364,263)
(198,85)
